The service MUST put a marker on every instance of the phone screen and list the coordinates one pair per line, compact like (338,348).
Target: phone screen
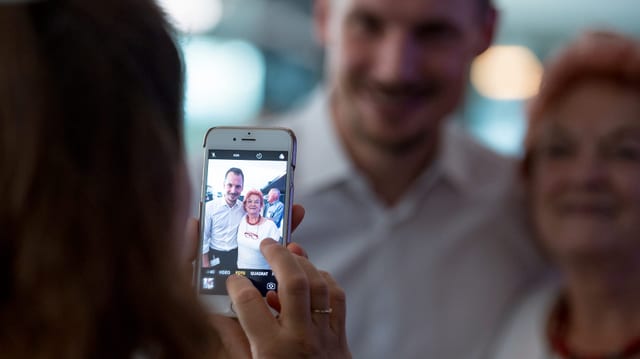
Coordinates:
(244,202)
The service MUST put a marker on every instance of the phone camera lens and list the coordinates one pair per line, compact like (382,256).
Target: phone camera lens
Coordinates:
(234,138)
(249,133)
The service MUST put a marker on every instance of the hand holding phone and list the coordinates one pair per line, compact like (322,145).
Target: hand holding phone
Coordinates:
(246,197)
(311,323)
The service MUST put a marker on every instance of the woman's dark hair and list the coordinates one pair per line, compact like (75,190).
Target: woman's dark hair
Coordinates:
(90,156)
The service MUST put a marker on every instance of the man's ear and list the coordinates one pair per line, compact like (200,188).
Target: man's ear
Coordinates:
(489,23)
(321,9)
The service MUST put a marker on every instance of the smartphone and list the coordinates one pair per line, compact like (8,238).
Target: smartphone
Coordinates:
(247,191)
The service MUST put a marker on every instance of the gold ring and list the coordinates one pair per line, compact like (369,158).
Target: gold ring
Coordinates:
(322,311)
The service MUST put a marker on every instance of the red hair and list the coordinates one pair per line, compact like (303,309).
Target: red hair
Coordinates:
(252,192)
(594,55)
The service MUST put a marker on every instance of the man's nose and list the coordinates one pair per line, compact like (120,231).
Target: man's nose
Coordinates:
(397,58)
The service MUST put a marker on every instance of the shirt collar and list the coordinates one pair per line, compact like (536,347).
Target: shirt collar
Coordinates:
(452,157)
(223,202)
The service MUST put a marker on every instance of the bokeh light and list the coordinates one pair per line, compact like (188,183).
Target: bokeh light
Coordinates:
(193,16)
(224,81)
(507,73)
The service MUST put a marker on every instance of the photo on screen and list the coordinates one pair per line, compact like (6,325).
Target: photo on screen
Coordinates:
(243,204)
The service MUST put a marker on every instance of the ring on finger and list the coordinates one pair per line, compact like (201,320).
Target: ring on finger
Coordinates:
(322,311)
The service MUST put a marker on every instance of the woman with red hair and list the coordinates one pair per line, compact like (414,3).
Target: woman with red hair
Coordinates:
(252,230)
(582,174)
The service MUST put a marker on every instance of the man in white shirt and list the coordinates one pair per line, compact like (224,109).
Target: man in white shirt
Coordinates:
(222,217)
(419,223)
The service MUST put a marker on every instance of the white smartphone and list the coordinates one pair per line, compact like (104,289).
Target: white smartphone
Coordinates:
(247,191)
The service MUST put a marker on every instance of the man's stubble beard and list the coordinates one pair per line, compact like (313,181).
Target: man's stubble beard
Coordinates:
(402,146)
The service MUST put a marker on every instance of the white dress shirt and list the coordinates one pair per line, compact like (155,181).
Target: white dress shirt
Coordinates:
(430,277)
(221,225)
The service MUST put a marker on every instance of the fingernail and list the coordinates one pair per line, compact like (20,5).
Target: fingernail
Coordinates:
(269,241)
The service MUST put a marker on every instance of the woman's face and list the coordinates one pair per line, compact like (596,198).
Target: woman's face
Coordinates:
(253,205)
(585,178)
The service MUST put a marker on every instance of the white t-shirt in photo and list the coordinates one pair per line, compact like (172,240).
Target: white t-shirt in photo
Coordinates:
(249,238)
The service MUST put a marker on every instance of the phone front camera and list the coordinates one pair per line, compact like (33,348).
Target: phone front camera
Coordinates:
(249,133)
(234,138)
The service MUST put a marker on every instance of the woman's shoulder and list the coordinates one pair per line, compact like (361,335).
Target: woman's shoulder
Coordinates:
(524,336)
(269,223)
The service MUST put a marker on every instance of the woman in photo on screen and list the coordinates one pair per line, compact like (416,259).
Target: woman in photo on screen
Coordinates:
(252,230)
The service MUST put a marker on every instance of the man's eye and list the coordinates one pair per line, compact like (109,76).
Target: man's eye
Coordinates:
(365,24)
(626,152)
(435,32)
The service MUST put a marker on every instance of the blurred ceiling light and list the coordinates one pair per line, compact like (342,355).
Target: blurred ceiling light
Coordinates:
(507,73)
(193,16)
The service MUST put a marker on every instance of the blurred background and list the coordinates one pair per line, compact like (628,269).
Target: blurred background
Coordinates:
(248,60)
